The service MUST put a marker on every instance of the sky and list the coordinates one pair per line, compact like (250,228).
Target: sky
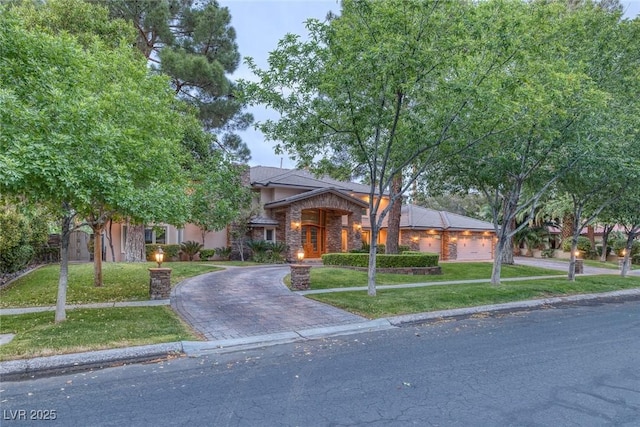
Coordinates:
(259,25)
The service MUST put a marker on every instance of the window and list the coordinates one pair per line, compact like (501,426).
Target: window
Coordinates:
(270,234)
(155,235)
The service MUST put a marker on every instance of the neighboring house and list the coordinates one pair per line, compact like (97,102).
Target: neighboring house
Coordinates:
(325,215)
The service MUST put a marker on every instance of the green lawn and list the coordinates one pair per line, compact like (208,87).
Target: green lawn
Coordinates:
(331,277)
(442,297)
(90,329)
(122,282)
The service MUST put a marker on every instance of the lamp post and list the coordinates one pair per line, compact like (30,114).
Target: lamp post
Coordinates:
(300,273)
(159,256)
(160,278)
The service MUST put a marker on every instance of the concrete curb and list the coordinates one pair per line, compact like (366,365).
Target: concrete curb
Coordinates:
(56,365)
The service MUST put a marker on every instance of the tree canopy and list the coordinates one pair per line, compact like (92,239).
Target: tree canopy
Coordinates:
(87,128)
(193,43)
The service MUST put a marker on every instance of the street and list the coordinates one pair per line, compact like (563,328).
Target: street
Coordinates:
(570,366)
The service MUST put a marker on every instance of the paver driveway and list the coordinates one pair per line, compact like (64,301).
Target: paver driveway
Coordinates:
(247,301)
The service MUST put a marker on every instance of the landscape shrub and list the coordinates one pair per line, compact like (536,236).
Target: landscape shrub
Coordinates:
(620,244)
(267,252)
(171,252)
(224,252)
(21,237)
(190,248)
(420,259)
(584,246)
(205,254)
(380,249)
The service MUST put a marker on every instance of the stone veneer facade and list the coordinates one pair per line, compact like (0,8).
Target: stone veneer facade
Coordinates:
(335,207)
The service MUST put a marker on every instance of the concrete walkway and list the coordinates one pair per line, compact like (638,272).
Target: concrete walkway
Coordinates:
(242,302)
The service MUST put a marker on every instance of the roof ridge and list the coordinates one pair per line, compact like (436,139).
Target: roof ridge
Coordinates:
(444,216)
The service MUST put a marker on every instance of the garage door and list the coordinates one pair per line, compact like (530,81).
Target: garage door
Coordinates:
(430,244)
(474,248)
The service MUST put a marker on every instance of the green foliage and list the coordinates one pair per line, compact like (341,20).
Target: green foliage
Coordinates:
(620,244)
(366,247)
(224,252)
(190,248)
(22,236)
(218,195)
(584,245)
(267,252)
(383,261)
(193,43)
(171,252)
(548,253)
(205,254)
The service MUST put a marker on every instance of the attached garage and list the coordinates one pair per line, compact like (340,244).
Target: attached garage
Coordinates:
(431,244)
(474,248)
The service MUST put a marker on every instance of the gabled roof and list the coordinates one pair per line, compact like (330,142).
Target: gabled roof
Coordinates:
(315,193)
(423,218)
(264,176)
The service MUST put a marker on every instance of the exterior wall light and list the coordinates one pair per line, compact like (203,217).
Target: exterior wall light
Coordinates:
(295,225)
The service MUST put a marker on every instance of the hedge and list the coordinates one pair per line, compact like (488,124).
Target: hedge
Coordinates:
(420,259)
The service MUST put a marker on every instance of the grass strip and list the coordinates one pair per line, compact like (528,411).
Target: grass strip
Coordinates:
(332,277)
(393,302)
(90,329)
(122,282)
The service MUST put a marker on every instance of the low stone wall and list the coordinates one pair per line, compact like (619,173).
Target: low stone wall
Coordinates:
(410,271)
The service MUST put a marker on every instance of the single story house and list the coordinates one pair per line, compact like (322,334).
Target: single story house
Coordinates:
(323,215)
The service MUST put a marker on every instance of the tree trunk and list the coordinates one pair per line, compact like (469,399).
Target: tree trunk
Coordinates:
(373,247)
(393,224)
(134,245)
(626,261)
(109,236)
(507,253)
(501,247)
(97,255)
(572,260)
(61,301)
(606,230)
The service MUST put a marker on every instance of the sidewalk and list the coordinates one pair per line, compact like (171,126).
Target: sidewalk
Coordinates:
(251,308)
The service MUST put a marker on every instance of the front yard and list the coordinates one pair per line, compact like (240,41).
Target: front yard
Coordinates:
(36,334)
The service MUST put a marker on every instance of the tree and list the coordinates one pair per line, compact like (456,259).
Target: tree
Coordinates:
(193,43)
(216,198)
(553,96)
(381,87)
(86,127)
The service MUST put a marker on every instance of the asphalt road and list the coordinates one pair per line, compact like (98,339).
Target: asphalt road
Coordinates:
(574,366)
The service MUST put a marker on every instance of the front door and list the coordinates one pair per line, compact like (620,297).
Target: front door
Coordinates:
(311,241)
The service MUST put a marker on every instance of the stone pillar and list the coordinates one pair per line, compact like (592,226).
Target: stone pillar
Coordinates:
(160,283)
(579,266)
(334,232)
(300,277)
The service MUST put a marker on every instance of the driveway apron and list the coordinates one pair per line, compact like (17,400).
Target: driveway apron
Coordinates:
(247,301)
